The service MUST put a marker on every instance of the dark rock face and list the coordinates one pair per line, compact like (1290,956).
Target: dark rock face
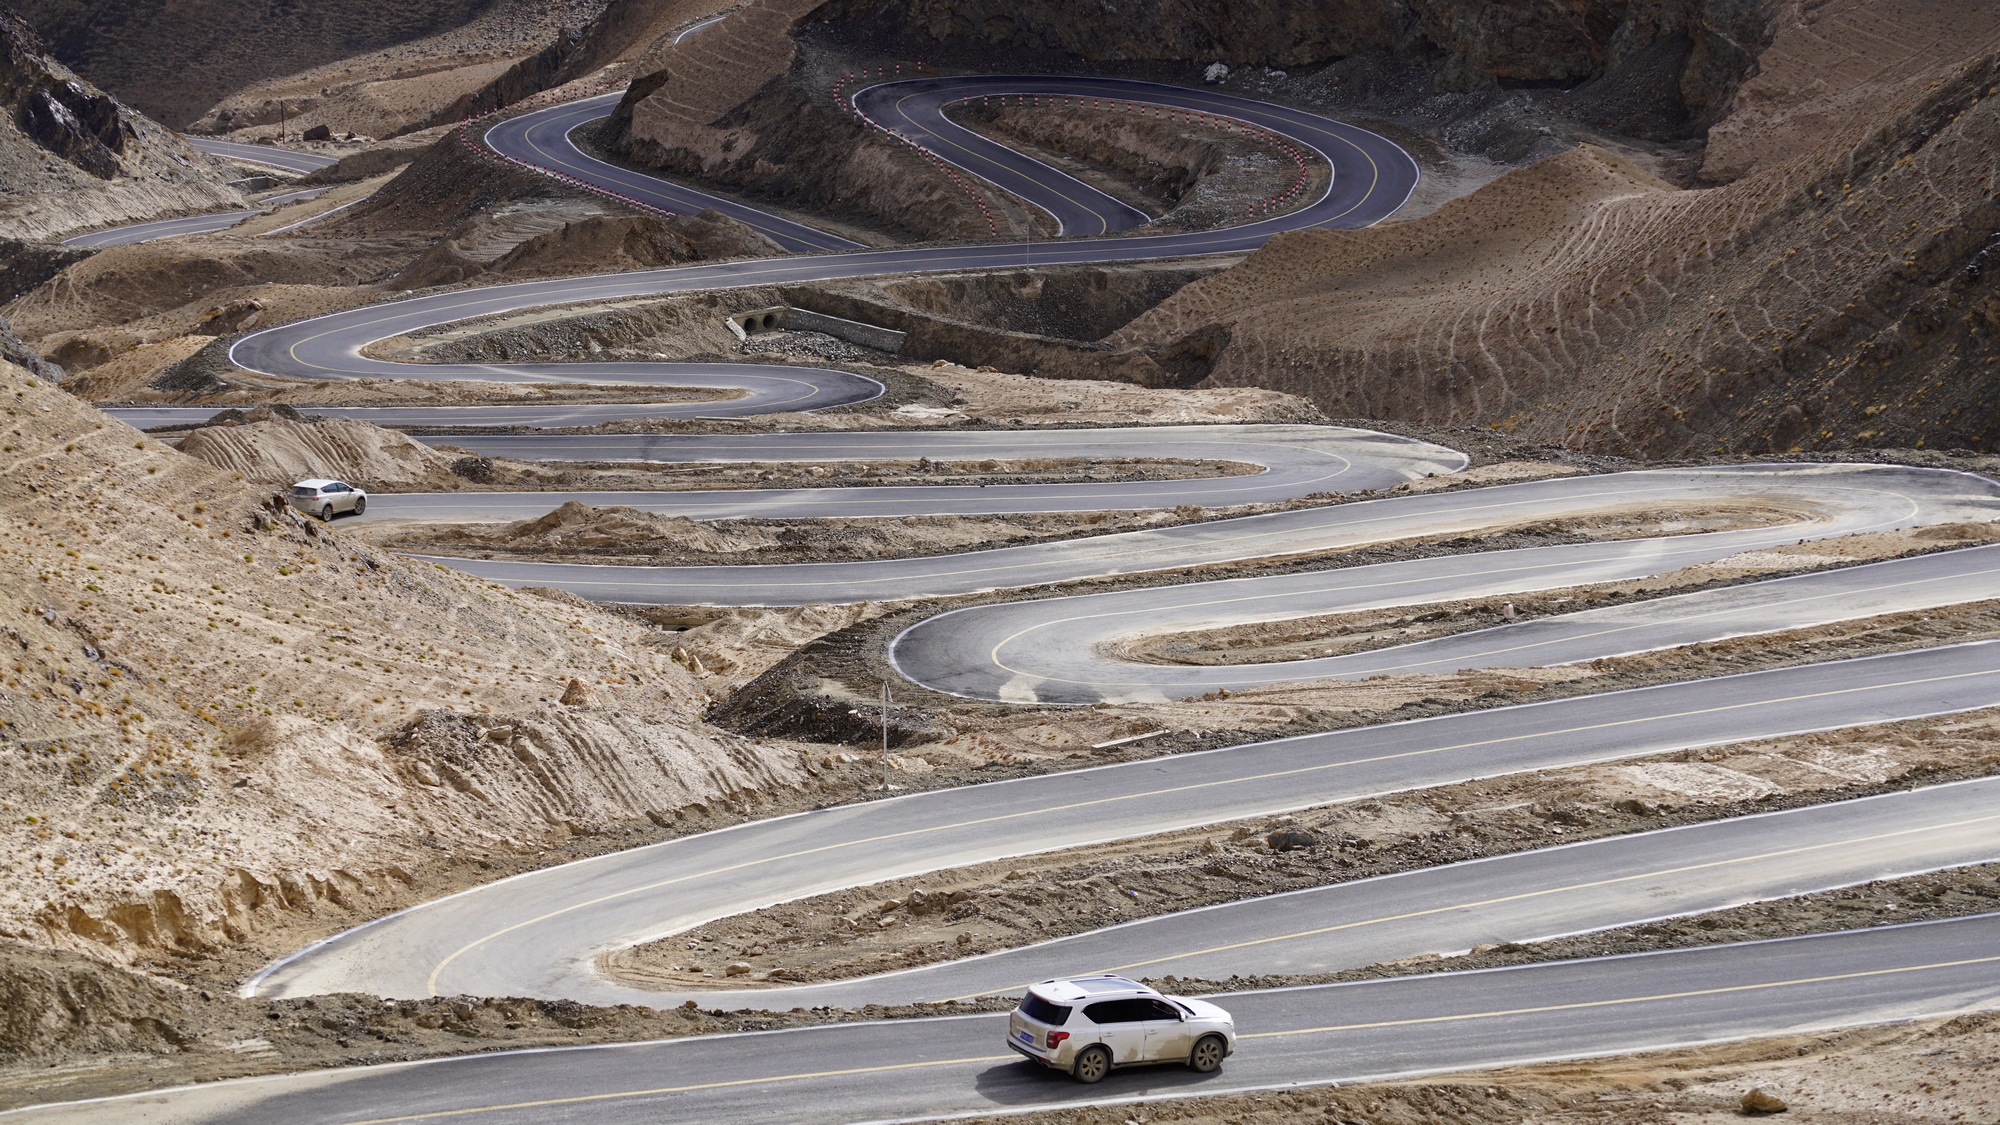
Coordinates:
(64,114)
(76,123)
(15,351)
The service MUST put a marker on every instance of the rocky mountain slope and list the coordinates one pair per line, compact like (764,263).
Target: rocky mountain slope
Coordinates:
(1469,44)
(218,717)
(72,156)
(1840,294)
(174,61)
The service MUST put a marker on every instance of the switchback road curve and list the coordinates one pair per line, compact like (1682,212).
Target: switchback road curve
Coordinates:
(540,932)
(1828,499)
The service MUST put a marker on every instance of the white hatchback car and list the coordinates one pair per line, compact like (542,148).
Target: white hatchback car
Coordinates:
(1088,1025)
(327,498)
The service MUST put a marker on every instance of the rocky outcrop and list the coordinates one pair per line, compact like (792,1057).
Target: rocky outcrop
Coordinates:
(72,156)
(15,351)
(24,265)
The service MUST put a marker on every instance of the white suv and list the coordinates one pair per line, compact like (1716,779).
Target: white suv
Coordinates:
(325,498)
(1088,1025)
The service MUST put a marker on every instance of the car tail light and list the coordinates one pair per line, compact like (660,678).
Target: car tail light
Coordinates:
(1055,1039)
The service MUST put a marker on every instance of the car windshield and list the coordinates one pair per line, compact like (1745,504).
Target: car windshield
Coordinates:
(1042,1011)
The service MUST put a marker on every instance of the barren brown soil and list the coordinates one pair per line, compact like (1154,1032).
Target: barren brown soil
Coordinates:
(1187,176)
(206,689)
(626,536)
(1835,299)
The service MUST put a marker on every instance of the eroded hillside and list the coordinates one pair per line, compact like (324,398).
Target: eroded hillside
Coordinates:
(221,717)
(1842,297)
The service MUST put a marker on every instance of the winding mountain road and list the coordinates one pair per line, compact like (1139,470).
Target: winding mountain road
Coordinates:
(540,933)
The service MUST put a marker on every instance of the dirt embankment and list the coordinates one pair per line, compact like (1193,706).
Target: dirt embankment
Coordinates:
(1843,298)
(738,105)
(207,691)
(628,536)
(1046,322)
(276,451)
(567,244)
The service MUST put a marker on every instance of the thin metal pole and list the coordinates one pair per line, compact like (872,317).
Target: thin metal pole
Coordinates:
(885,736)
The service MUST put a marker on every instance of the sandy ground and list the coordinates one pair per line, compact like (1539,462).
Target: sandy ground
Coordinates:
(206,689)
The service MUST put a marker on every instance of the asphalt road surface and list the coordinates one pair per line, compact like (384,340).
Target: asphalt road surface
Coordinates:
(268,155)
(543,139)
(539,933)
(1372,178)
(161,228)
(1830,500)
(1294,462)
(192,224)
(921,1070)
(740,390)
(1064,650)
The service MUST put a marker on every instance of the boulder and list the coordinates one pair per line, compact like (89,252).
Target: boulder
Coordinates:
(1761,1101)
(1288,839)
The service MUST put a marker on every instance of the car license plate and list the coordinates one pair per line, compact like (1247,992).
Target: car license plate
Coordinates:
(1025,1037)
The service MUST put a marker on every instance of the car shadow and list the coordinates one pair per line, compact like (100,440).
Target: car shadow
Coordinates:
(1026,1083)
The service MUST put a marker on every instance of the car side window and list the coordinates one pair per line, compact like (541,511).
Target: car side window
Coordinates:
(1119,1011)
(1160,1010)
(336,486)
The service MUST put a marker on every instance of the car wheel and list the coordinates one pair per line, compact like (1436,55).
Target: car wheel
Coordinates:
(326,514)
(360,504)
(1207,1054)
(1091,1065)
